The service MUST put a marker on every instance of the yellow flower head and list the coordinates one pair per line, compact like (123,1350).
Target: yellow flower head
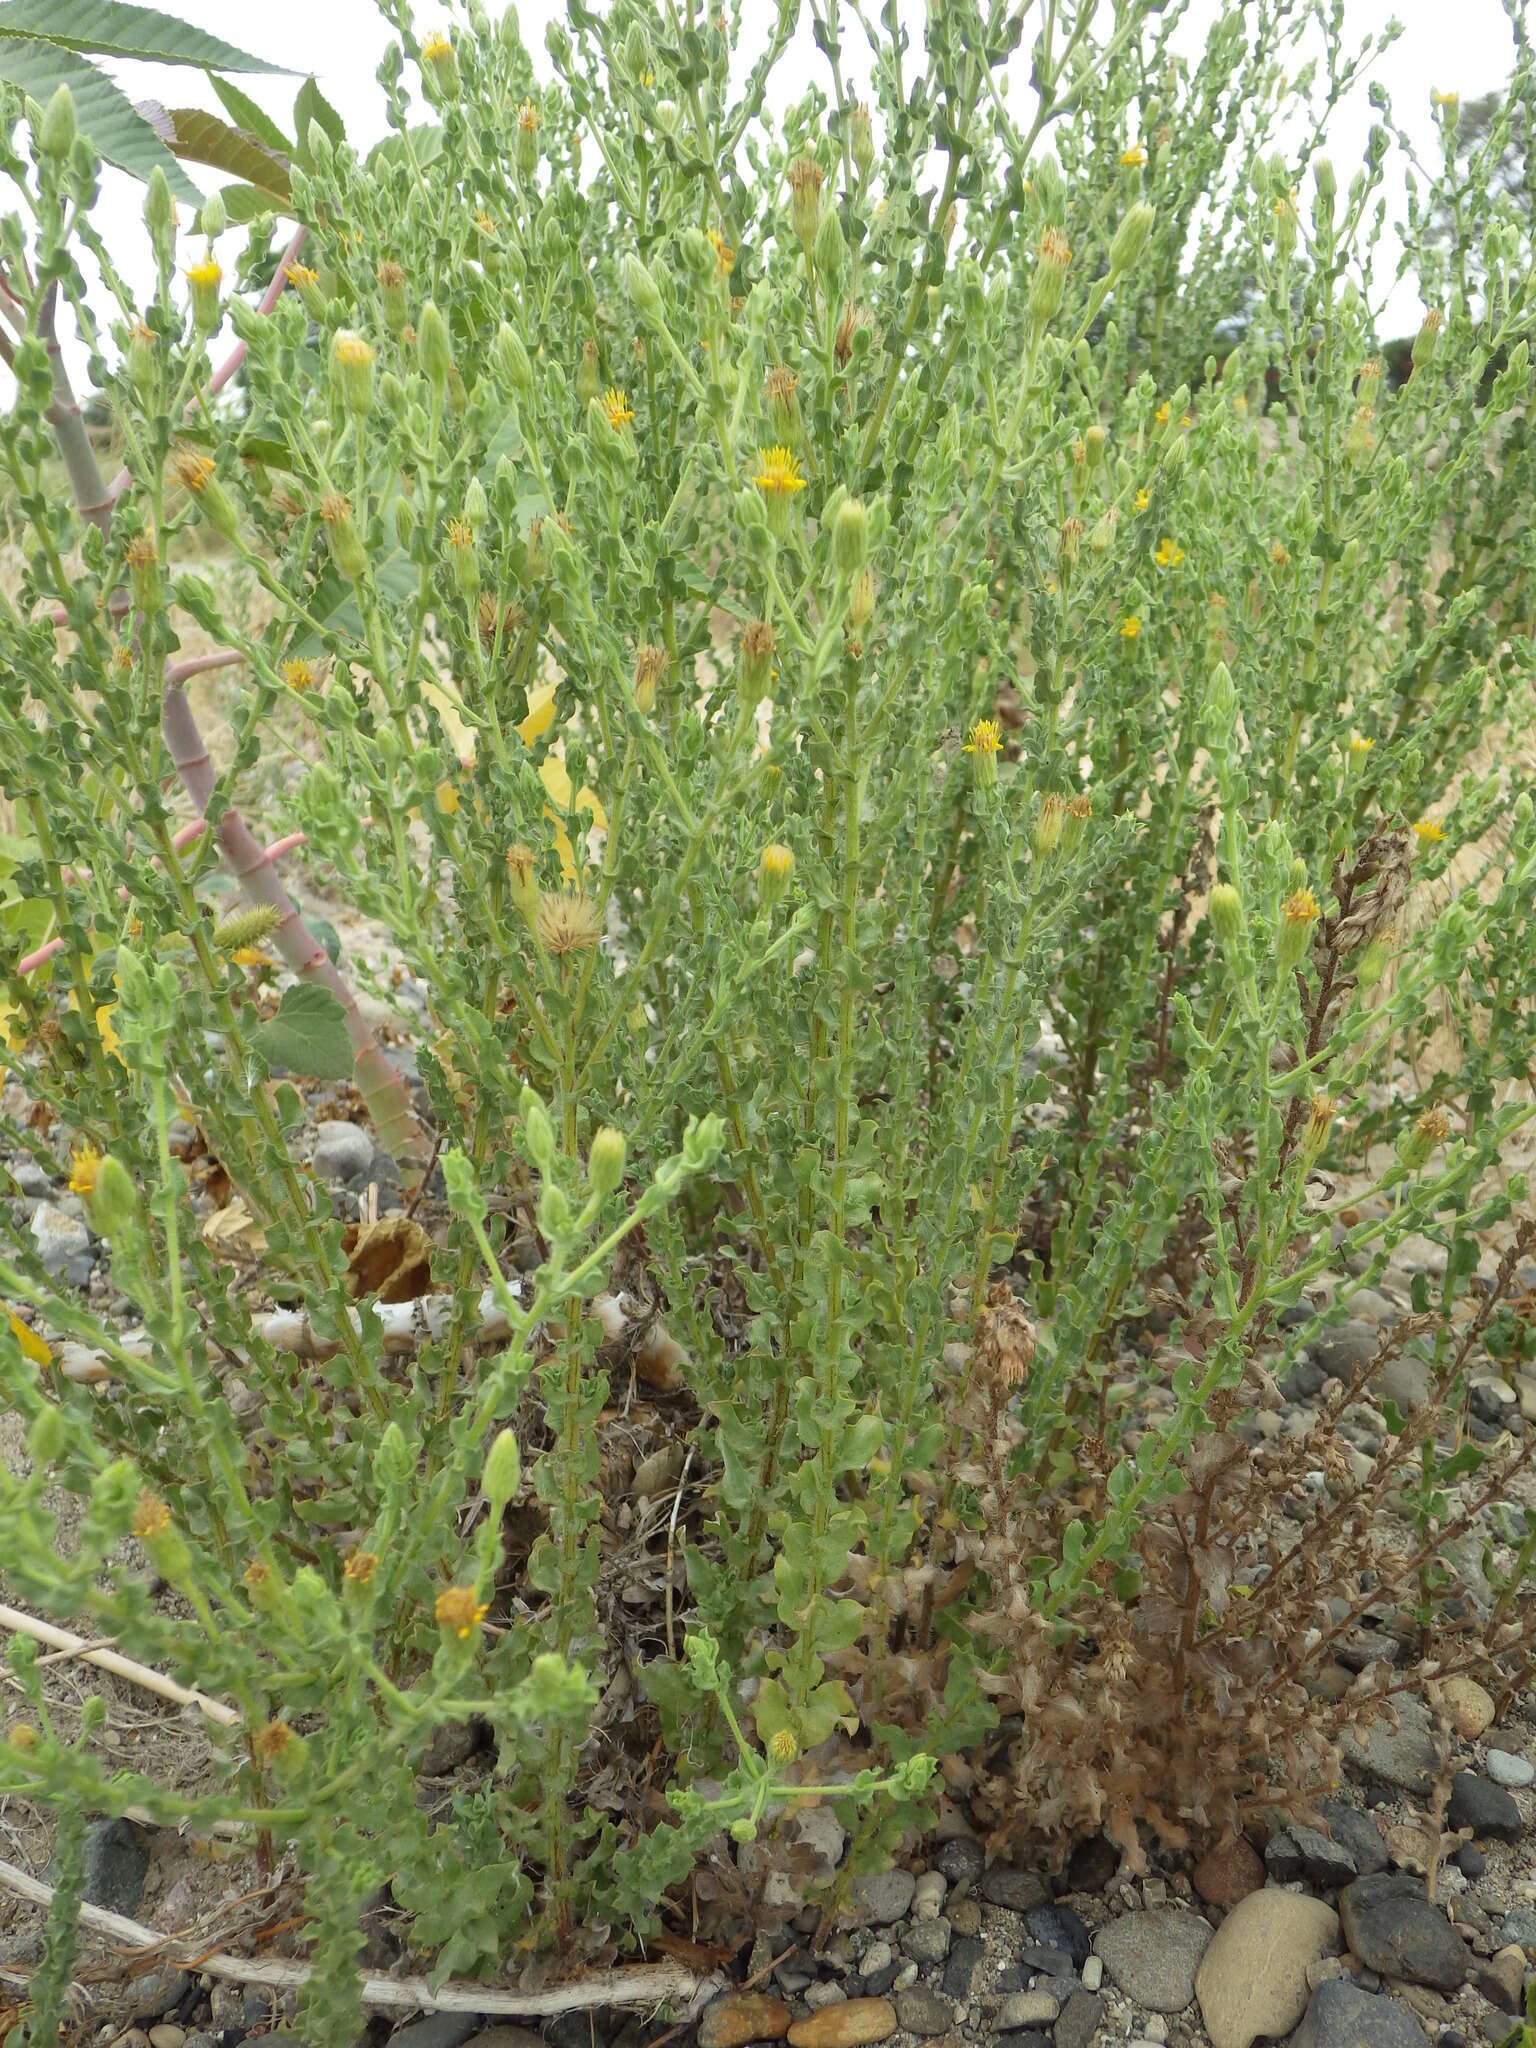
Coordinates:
(529,118)
(778,862)
(299,673)
(1359,746)
(436,46)
(1429,831)
(1300,907)
(83,1169)
(300,276)
(1279,554)
(360,1567)
(151,1516)
(1169,554)
(192,469)
(1134,157)
(1163,414)
(487,226)
(458,1612)
(207,275)
(1143,500)
(985,737)
(618,408)
(351,351)
(778,472)
(1447,99)
(725,255)
(460,534)
(1130,627)
(783,1748)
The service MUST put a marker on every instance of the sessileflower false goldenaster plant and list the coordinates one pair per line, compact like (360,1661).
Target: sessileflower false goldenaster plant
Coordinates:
(930,723)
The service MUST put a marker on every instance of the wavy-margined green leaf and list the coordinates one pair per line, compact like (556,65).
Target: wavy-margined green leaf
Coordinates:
(111,28)
(108,118)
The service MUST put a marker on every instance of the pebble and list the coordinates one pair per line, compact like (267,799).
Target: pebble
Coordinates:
(1403,1757)
(1337,1348)
(965,1959)
(1079,2020)
(1252,1982)
(1229,1872)
(853,2024)
(1511,1771)
(965,1916)
(879,1900)
(1340,2015)
(1035,1961)
(63,1244)
(818,1996)
(1470,1707)
(1093,1973)
(959,1860)
(927,1941)
(1153,1956)
(920,2011)
(1059,1927)
(1501,1979)
(928,1895)
(1297,1852)
(341,1152)
(167,2036)
(1519,1927)
(1003,1885)
(116,1863)
(742,2016)
(1391,1926)
(1485,1808)
(1028,2009)
(1359,1833)
(446,2030)
(1470,1860)
(877,1957)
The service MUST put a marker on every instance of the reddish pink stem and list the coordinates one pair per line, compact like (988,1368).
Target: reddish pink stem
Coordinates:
(200,664)
(281,846)
(41,957)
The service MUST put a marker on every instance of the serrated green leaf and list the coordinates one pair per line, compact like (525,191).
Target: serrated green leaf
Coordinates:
(246,114)
(108,118)
(308,1034)
(111,28)
(205,139)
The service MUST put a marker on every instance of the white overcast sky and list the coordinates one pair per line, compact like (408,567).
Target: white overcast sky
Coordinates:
(1463,46)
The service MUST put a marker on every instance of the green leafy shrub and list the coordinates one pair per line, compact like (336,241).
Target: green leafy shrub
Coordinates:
(768,608)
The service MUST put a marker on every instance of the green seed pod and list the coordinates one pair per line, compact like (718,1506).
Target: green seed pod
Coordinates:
(1131,238)
(160,215)
(1048,822)
(434,351)
(56,131)
(503,1470)
(850,537)
(605,1162)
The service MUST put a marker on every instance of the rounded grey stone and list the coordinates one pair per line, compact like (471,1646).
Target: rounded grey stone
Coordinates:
(1152,1957)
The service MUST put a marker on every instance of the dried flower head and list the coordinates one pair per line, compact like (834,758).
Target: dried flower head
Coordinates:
(192,467)
(334,508)
(1005,1338)
(271,1739)
(650,667)
(1433,1124)
(568,922)
(360,1567)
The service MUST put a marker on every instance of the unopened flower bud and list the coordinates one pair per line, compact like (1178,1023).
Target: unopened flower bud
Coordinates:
(850,537)
(405,522)
(213,216)
(644,293)
(862,139)
(434,351)
(538,1131)
(56,130)
(605,1162)
(522,881)
(1131,238)
(160,215)
(503,1470)
(830,252)
(588,375)
(650,667)
(1373,960)
(1424,341)
(861,600)
(1101,538)
(1048,281)
(1226,914)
